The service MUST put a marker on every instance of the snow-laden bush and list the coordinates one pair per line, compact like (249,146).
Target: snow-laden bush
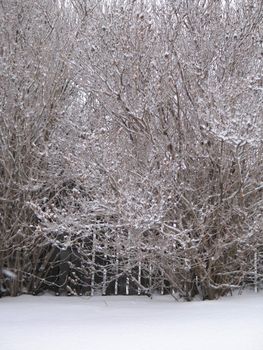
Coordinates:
(138,147)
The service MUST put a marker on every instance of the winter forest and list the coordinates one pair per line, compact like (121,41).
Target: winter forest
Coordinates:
(131,147)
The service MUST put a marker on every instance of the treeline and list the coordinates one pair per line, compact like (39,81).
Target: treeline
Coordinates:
(131,153)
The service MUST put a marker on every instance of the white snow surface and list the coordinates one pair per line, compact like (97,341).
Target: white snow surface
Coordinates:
(131,323)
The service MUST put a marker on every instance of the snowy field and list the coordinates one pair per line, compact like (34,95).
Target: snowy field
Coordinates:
(131,323)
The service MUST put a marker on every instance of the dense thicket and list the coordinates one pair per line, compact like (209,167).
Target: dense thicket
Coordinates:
(131,146)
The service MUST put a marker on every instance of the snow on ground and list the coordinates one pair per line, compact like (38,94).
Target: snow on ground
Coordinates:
(131,323)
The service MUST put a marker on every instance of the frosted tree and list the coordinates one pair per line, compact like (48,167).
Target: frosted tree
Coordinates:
(171,82)
(142,165)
